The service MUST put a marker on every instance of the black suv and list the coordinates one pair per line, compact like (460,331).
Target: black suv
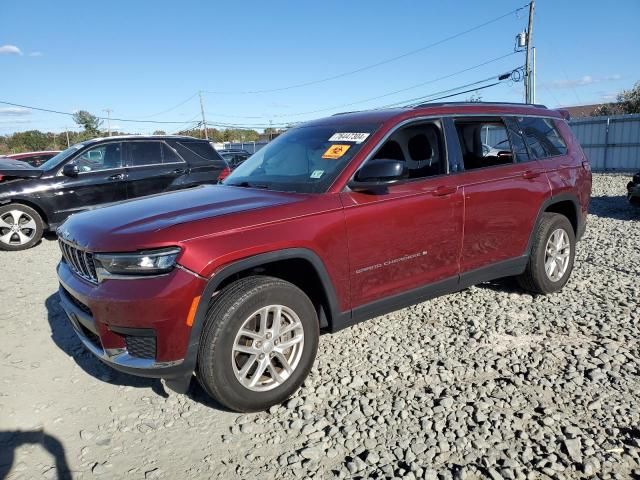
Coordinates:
(234,157)
(95,173)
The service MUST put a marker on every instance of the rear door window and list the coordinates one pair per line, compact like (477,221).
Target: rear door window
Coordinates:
(169,155)
(144,153)
(484,143)
(517,141)
(542,137)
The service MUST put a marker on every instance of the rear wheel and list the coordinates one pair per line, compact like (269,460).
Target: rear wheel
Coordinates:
(21,227)
(258,343)
(552,253)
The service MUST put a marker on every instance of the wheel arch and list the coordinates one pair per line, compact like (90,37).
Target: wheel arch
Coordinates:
(299,266)
(565,204)
(31,204)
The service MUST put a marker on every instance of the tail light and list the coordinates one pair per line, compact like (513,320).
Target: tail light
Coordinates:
(224,174)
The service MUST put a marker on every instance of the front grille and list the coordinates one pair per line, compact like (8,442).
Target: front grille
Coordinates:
(80,262)
(141,347)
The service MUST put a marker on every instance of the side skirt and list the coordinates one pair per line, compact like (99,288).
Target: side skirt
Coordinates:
(454,284)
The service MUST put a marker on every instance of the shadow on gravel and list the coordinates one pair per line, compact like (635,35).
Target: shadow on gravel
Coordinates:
(11,440)
(505,285)
(66,339)
(616,207)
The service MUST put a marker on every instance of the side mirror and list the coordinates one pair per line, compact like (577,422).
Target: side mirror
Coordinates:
(70,170)
(377,174)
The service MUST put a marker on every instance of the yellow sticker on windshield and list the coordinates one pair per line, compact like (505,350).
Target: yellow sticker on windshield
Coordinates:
(335,151)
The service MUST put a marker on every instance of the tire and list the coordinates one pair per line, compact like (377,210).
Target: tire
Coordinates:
(535,278)
(242,305)
(27,235)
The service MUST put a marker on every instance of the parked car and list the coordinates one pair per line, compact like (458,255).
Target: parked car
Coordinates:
(35,159)
(334,222)
(633,190)
(234,158)
(95,173)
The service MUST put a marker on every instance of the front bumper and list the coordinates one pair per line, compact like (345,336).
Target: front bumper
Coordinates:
(105,315)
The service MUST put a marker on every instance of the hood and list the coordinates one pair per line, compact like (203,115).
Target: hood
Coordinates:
(17,168)
(119,227)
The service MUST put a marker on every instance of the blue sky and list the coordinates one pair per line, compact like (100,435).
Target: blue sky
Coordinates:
(142,58)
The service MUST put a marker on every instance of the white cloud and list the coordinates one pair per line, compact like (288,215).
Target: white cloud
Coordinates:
(14,112)
(35,54)
(13,122)
(10,50)
(581,82)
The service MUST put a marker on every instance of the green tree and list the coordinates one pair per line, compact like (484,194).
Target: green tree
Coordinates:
(31,140)
(627,102)
(90,123)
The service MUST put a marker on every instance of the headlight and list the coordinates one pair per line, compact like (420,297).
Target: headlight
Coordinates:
(150,262)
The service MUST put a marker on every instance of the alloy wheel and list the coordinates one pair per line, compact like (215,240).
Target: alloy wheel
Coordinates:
(557,253)
(267,348)
(16,228)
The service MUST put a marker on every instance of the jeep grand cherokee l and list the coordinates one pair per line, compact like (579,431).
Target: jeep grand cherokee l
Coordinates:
(335,221)
(93,174)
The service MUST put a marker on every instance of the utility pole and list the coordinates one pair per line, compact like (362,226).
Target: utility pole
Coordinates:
(66,130)
(204,121)
(527,67)
(108,110)
(533,75)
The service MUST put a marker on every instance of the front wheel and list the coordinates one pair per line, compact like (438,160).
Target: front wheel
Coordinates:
(258,344)
(552,253)
(21,227)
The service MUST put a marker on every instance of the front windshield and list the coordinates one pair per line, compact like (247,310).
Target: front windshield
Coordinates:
(305,159)
(53,162)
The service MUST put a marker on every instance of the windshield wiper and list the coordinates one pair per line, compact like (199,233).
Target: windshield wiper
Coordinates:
(249,185)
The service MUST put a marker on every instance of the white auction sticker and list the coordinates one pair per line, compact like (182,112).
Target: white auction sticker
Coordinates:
(349,137)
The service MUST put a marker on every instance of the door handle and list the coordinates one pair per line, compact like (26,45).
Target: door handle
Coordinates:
(117,176)
(178,171)
(531,174)
(443,190)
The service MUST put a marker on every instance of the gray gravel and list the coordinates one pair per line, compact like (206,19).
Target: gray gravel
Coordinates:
(486,383)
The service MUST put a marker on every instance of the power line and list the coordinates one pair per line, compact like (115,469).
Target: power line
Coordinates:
(48,110)
(428,98)
(434,80)
(172,108)
(373,65)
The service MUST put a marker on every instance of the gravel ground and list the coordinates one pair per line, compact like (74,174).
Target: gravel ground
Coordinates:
(489,382)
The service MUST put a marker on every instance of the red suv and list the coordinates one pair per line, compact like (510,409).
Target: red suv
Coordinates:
(334,222)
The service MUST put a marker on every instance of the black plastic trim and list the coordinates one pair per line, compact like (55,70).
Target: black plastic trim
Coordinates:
(561,197)
(134,332)
(335,317)
(453,284)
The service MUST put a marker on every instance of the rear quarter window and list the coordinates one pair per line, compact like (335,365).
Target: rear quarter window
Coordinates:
(542,137)
(198,152)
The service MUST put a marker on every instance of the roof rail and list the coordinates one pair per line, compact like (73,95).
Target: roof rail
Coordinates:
(453,104)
